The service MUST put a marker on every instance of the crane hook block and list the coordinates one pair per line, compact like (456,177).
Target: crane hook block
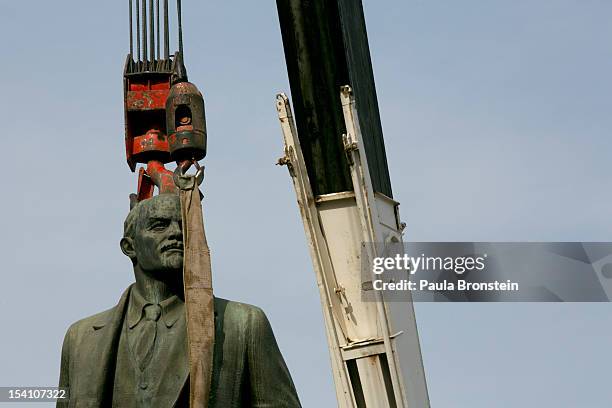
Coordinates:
(186,122)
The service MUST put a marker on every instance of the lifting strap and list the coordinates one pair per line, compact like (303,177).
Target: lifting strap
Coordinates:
(197,280)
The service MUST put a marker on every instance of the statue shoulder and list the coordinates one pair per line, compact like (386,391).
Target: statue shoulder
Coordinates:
(96,321)
(239,315)
(81,328)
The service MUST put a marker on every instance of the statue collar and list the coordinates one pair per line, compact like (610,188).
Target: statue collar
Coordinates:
(172,309)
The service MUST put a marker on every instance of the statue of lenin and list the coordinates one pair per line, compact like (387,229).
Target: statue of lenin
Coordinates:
(135,354)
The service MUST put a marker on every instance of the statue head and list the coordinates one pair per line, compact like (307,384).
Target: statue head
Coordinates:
(153,236)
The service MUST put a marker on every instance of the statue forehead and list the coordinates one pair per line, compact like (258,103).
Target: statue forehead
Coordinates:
(164,205)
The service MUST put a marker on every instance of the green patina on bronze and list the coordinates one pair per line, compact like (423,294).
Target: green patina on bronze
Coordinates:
(101,364)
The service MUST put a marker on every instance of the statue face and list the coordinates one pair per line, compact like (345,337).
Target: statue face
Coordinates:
(157,242)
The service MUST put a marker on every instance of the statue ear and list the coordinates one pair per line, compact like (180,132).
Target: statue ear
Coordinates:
(127,247)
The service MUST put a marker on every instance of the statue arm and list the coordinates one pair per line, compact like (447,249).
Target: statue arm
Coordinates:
(64,379)
(270,382)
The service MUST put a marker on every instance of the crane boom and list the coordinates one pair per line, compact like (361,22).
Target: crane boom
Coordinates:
(334,150)
(374,346)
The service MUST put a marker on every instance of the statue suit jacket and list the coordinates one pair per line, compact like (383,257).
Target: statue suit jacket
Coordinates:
(248,368)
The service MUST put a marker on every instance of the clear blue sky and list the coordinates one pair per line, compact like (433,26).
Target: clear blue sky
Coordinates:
(497,126)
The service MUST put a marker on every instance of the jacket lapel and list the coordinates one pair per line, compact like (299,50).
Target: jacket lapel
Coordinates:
(99,357)
(180,394)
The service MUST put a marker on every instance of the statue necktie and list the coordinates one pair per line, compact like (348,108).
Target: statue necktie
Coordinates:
(145,339)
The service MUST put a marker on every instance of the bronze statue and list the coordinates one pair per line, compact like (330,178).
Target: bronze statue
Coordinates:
(135,354)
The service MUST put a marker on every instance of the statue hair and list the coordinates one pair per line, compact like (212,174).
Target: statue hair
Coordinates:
(131,221)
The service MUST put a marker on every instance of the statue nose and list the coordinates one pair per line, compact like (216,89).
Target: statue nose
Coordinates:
(175,230)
